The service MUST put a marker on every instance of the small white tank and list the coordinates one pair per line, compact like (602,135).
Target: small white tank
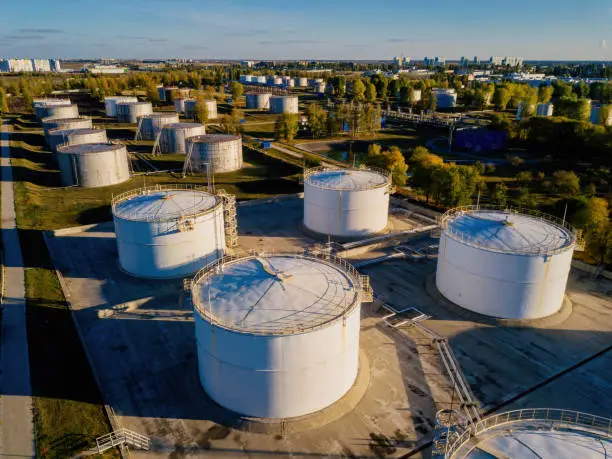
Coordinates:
(301,82)
(211,108)
(57,111)
(283,104)
(256,100)
(174,136)
(128,112)
(151,125)
(277,81)
(261,79)
(179,105)
(93,164)
(110,103)
(57,137)
(223,152)
(82,122)
(168,232)
(40,106)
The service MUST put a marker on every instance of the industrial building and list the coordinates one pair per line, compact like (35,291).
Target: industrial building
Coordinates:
(93,165)
(61,136)
(283,104)
(110,103)
(174,136)
(258,100)
(346,202)
(149,126)
(168,232)
(503,263)
(222,152)
(277,336)
(129,112)
(29,65)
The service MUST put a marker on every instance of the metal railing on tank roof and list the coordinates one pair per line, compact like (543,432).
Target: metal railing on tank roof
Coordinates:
(322,169)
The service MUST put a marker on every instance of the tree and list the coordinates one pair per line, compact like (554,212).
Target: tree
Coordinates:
(358,90)
(3,101)
(501,97)
(287,127)
(392,160)
(316,120)
(201,110)
(570,107)
(545,94)
(594,219)
(231,123)
(370,93)
(567,183)
(517,161)
(236,89)
(341,86)
(406,95)
(152,92)
(524,177)
(500,194)
(430,102)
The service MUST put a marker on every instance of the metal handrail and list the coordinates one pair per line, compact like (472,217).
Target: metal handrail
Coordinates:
(215,267)
(316,170)
(465,238)
(121,197)
(590,422)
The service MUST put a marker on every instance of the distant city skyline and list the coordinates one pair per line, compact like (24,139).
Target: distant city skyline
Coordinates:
(317,29)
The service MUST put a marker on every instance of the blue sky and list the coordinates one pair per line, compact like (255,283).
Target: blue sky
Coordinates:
(306,29)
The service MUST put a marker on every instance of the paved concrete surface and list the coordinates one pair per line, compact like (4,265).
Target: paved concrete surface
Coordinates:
(16,428)
(141,340)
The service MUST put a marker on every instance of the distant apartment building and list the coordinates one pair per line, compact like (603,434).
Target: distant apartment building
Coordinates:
(511,61)
(401,61)
(247,64)
(434,61)
(29,65)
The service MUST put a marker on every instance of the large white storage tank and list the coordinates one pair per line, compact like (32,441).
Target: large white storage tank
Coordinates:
(545,110)
(168,232)
(41,105)
(128,112)
(93,164)
(151,125)
(110,103)
(211,108)
(174,137)
(503,263)
(301,82)
(82,122)
(223,152)
(283,104)
(57,137)
(261,79)
(258,100)
(445,98)
(277,335)
(54,111)
(346,202)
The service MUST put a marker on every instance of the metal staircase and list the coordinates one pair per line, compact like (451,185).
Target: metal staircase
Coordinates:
(156,147)
(123,437)
(229,218)
(138,135)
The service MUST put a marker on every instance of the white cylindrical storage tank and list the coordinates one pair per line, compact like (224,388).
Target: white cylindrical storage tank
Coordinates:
(302,82)
(223,152)
(57,137)
(57,111)
(277,81)
(174,136)
(346,202)
(190,107)
(257,100)
(290,83)
(277,336)
(110,103)
(82,122)
(503,263)
(128,112)
(261,79)
(168,232)
(211,109)
(41,105)
(151,125)
(179,105)
(320,88)
(283,104)
(93,164)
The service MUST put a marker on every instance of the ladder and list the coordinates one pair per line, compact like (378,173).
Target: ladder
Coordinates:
(122,437)
(229,218)
(156,146)
(138,135)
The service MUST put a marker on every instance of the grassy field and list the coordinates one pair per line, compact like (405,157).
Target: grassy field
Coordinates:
(68,408)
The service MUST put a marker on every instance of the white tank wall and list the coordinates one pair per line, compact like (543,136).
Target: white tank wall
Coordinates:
(211,108)
(258,101)
(160,250)
(278,376)
(501,284)
(301,82)
(92,170)
(110,103)
(179,105)
(57,137)
(283,104)
(225,156)
(128,112)
(150,126)
(261,79)
(174,139)
(345,213)
(65,123)
(57,111)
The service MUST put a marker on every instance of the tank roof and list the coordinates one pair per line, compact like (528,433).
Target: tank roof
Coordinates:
(163,204)
(90,148)
(214,138)
(177,126)
(64,120)
(275,294)
(62,131)
(133,102)
(508,231)
(346,179)
(159,115)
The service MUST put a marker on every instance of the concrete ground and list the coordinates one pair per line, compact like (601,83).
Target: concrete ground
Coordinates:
(139,335)
(16,424)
